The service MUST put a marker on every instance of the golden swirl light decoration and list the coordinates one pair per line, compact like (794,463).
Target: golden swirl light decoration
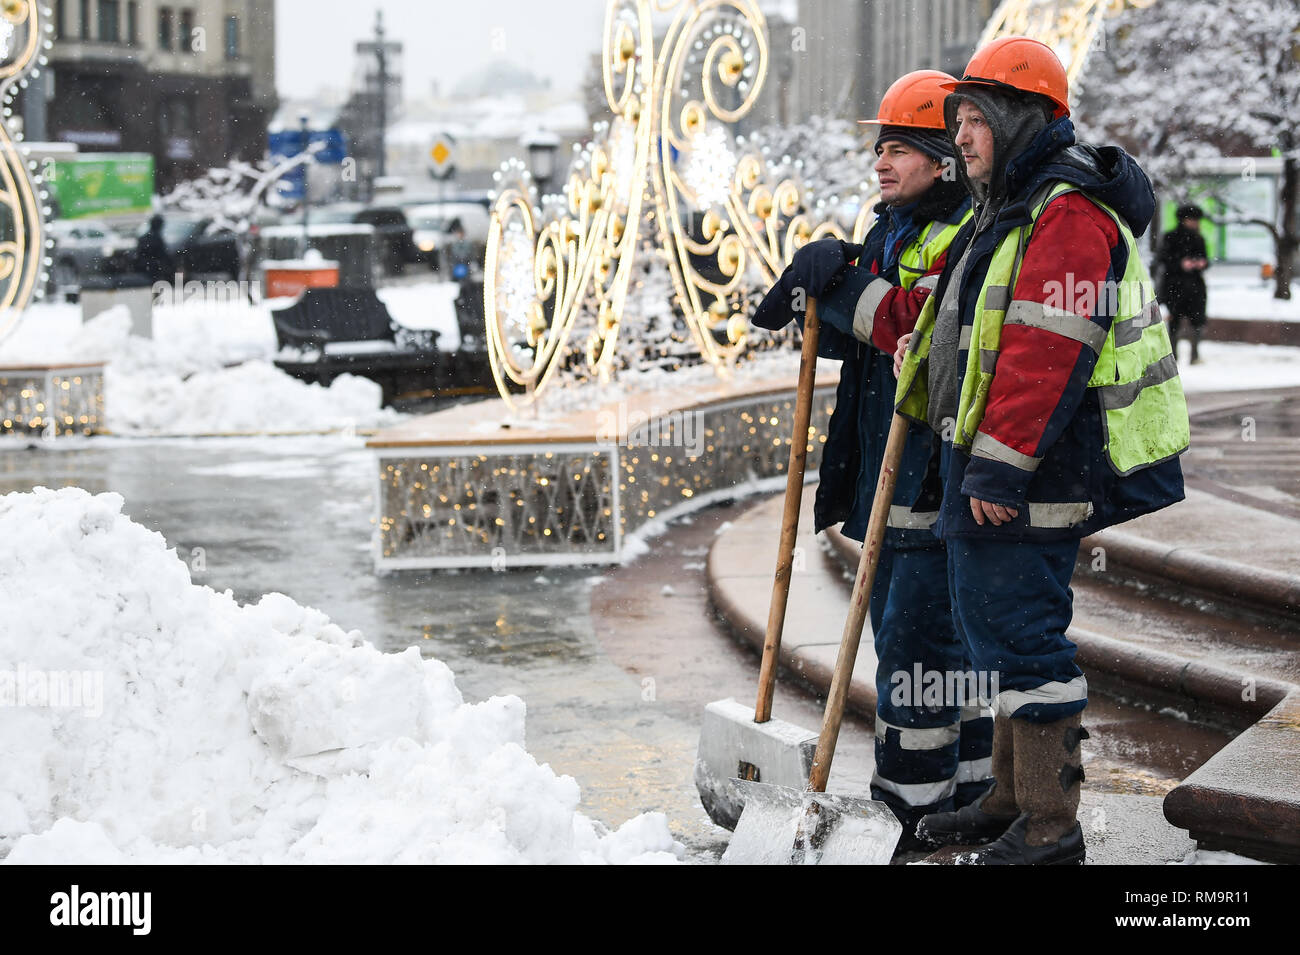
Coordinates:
(1070,27)
(24,25)
(537,280)
(725,229)
(724,226)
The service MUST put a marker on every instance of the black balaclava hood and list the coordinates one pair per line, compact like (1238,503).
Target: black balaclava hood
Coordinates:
(1015,118)
(933,142)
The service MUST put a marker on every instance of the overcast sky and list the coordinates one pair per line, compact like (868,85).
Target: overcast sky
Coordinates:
(444,40)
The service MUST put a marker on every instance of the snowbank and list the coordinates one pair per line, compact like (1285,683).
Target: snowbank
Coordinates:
(144,392)
(152,720)
(188,337)
(208,369)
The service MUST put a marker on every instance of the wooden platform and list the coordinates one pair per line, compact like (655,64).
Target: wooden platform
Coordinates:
(479,485)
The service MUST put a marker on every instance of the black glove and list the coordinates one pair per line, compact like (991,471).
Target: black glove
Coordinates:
(777,307)
(817,264)
(813,269)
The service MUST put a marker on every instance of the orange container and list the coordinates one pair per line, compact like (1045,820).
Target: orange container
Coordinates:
(285,280)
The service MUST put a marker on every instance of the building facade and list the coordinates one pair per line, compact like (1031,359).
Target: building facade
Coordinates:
(836,58)
(190,81)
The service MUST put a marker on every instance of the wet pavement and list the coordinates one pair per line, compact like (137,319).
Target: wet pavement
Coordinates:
(1246,448)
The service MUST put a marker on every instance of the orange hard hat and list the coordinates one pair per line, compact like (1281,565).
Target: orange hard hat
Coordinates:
(914,100)
(1021,63)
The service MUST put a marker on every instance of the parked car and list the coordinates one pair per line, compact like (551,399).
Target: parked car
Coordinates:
(82,248)
(478,197)
(433,227)
(393,233)
(200,246)
(395,248)
(263,217)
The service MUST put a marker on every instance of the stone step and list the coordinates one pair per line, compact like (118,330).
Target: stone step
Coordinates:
(1212,802)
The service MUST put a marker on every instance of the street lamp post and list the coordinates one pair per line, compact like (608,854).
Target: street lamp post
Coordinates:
(542,147)
(304,120)
(381,55)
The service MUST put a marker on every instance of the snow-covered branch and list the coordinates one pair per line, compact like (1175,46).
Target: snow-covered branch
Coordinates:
(231,195)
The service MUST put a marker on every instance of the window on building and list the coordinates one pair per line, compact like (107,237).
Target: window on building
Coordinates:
(232,38)
(108,31)
(60,19)
(176,117)
(84,20)
(185,38)
(164,28)
(133,22)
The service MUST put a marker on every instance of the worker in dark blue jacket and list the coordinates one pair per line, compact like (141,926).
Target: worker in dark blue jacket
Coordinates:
(933,742)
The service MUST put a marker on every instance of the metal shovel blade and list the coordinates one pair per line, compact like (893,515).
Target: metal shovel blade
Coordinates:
(733,746)
(783,826)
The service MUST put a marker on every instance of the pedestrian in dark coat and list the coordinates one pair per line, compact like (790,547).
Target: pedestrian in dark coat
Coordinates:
(152,257)
(1182,262)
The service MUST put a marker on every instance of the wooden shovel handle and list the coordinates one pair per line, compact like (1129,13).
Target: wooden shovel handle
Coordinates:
(790,518)
(858,603)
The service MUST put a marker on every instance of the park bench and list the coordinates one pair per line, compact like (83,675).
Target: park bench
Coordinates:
(329,332)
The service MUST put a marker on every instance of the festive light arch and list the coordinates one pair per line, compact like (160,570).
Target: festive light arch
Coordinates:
(25,29)
(725,227)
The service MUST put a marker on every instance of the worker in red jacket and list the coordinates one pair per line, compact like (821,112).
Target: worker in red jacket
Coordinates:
(1043,362)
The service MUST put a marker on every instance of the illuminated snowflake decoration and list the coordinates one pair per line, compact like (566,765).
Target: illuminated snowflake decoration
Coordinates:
(516,292)
(711,166)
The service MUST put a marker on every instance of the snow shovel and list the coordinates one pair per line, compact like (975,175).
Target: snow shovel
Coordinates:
(735,742)
(812,827)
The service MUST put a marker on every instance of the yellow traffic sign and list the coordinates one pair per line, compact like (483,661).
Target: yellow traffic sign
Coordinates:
(443,154)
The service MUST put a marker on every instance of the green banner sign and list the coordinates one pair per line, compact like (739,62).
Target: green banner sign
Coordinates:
(98,184)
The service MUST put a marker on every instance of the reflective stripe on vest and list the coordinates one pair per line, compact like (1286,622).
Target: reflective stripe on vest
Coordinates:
(1143,410)
(913,263)
(904,518)
(916,260)
(925,250)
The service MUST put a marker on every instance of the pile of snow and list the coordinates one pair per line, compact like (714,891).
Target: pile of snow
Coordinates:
(189,336)
(152,720)
(144,395)
(208,367)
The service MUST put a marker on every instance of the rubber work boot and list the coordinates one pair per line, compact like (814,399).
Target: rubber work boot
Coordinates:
(1048,778)
(988,816)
